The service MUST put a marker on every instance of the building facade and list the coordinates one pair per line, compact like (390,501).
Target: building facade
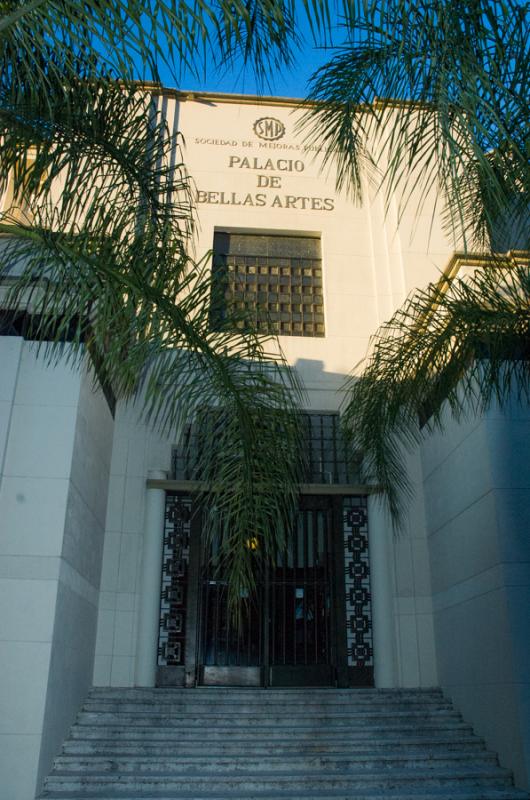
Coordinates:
(103,577)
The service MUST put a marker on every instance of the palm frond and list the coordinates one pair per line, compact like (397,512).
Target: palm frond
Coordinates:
(439,91)
(42,40)
(155,342)
(94,244)
(460,345)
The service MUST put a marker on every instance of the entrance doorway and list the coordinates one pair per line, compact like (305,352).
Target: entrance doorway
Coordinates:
(307,624)
(288,633)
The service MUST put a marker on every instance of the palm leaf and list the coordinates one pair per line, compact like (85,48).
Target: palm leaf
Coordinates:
(99,255)
(456,347)
(440,90)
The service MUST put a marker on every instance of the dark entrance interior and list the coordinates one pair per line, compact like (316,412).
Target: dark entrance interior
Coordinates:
(288,631)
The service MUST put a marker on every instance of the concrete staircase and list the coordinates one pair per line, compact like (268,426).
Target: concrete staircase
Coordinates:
(297,744)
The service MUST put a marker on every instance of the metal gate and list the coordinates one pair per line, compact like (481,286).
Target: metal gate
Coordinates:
(229,652)
(309,622)
(286,634)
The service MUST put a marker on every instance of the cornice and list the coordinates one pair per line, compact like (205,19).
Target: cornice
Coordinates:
(184,95)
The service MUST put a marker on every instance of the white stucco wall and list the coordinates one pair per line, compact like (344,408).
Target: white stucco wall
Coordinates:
(135,451)
(370,263)
(413,611)
(52,500)
(477,499)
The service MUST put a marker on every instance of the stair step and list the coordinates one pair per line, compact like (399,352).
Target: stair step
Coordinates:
(110,748)
(282,763)
(265,781)
(267,733)
(243,708)
(278,720)
(259,694)
(432,793)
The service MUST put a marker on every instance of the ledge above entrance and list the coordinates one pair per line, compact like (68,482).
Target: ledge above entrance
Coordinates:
(305,488)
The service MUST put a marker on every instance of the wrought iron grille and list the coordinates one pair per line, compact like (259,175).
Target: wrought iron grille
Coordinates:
(184,457)
(358,597)
(224,642)
(300,591)
(268,283)
(328,460)
(291,607)
(291,613)
(172,635)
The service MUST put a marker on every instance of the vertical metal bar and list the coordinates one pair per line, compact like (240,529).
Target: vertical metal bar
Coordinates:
(204,592)
(276,609)
(203,625)
(316,568)
(311,460)
(322,451)
(272,633)
(325,588)
(225,623)
(231,640)
(216,624)
(266,624)
(284,607)
(248,631)
(334,434)
(230,630)
(294,580)
(208,622)
(295,572)
(225,619)
(307,515)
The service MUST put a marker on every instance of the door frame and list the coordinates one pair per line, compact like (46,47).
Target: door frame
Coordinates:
(333,674)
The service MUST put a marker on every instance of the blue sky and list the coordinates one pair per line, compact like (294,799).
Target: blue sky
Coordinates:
(288,83)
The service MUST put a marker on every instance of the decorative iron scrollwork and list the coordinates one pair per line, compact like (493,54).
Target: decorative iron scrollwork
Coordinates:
(357,578)
(175,564)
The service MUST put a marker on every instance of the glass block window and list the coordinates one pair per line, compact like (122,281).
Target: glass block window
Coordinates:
(268,283)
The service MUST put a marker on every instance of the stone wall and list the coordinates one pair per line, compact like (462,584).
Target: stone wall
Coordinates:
(55,442)
(477,500)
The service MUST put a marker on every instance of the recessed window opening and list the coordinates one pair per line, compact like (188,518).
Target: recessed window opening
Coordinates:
(268,283)
(328,460)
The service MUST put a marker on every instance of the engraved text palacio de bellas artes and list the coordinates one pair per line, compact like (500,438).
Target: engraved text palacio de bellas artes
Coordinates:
(271,173)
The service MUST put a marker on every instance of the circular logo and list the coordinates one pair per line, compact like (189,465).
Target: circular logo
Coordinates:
(269,128)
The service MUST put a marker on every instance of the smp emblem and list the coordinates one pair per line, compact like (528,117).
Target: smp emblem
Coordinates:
(269,128)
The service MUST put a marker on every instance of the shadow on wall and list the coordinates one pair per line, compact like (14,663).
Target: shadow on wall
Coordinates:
(324,389)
